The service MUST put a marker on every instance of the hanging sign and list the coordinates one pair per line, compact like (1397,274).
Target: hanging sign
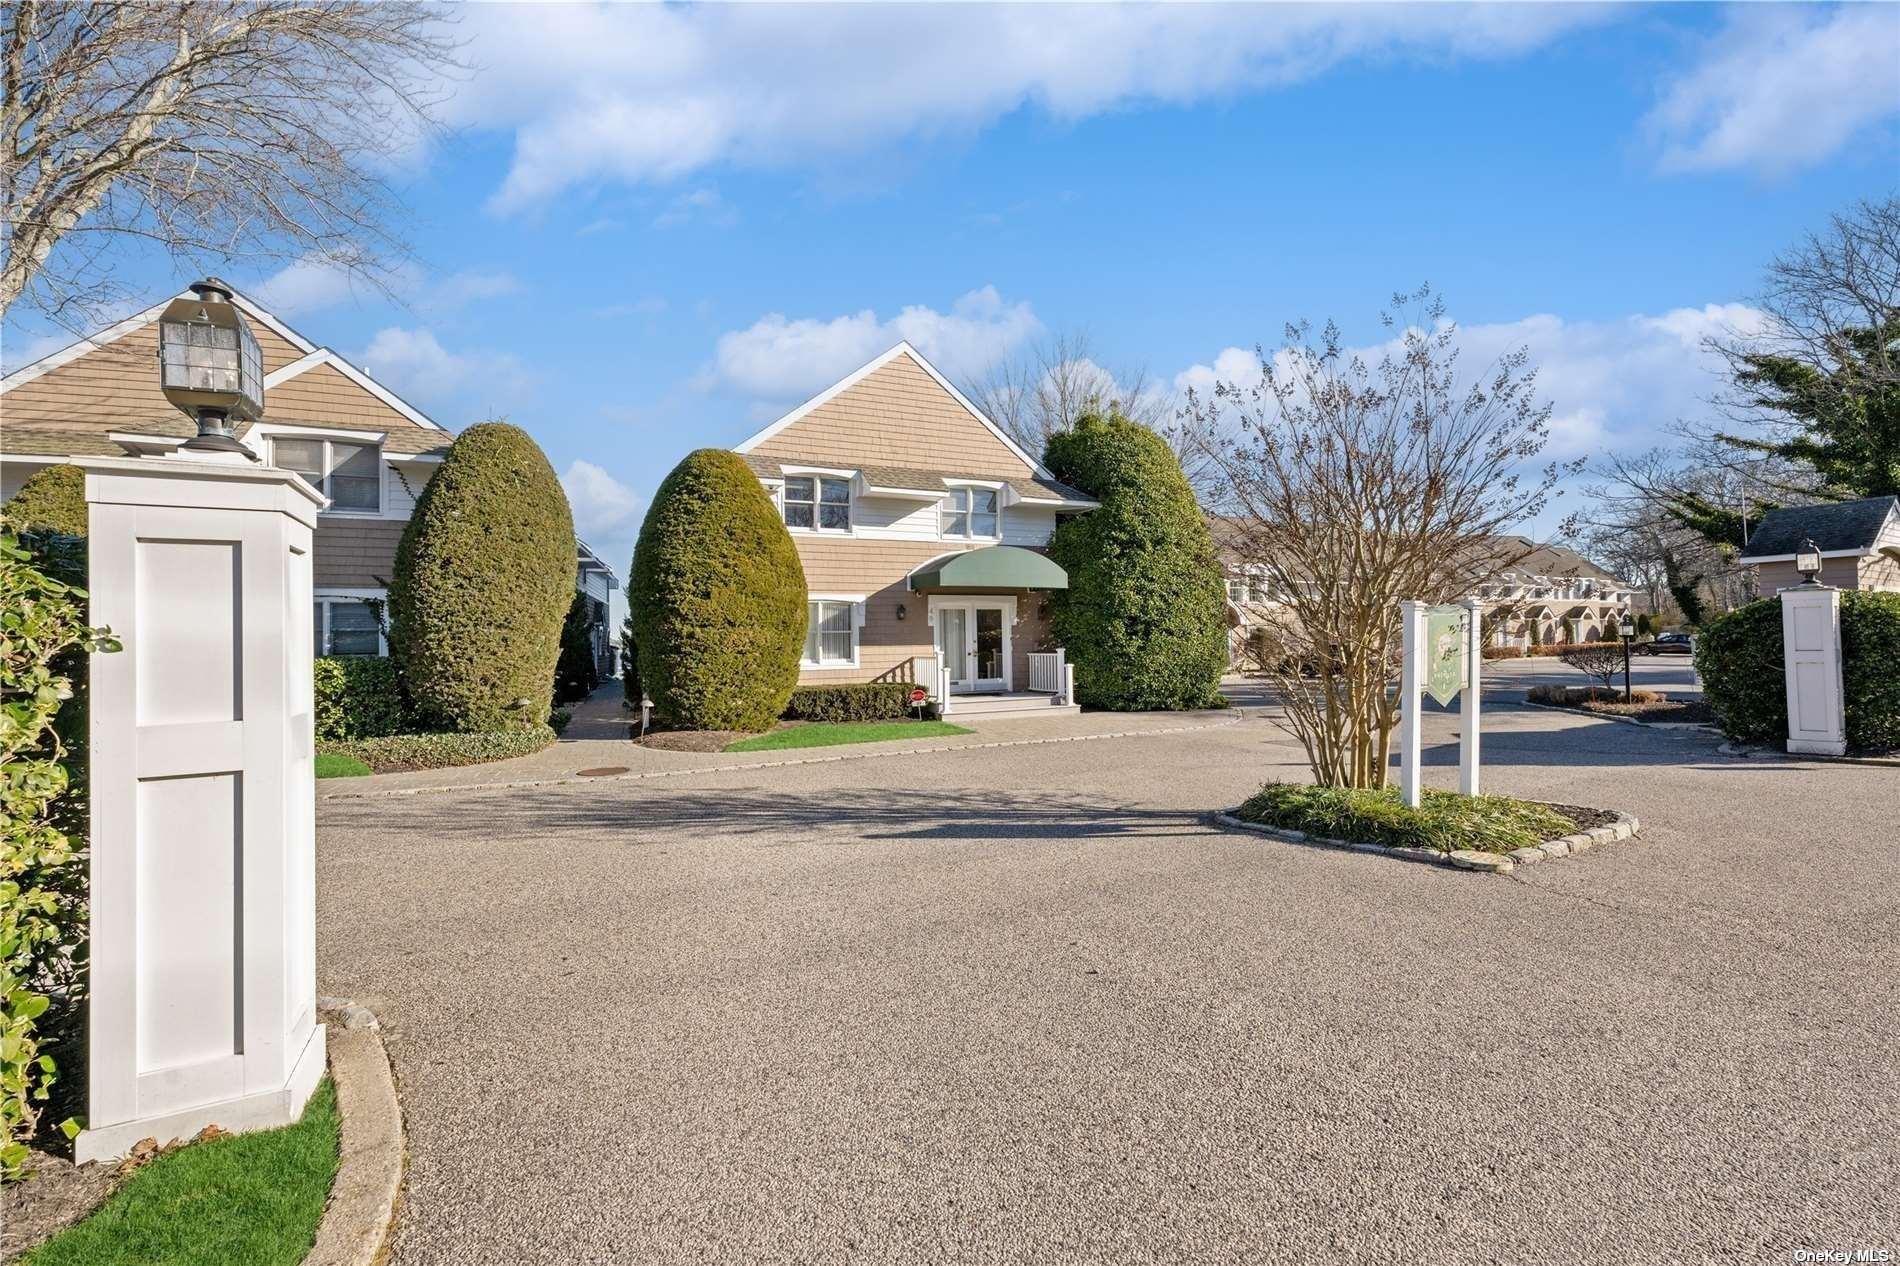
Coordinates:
(1444,653)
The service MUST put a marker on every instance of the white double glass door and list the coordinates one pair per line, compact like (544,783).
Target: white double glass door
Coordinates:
(973,639)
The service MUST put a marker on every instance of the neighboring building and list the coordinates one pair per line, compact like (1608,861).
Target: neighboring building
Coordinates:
(1553,590)
(1859,543)
(356,441)
(923,530)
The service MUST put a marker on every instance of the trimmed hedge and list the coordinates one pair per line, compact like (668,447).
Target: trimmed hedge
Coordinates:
(53,499)
(441,751)
(1379,815)
(1739,657)
(1504,652)
(359,697)
(576,673)
(861,701)
(717,597)
(1144,619)
(484,577)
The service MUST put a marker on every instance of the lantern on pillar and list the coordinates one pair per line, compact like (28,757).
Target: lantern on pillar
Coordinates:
(209,366)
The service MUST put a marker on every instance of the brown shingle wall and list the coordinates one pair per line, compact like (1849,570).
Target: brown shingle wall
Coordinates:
(895,416)
(1880,572)
(354,555)
(323,393)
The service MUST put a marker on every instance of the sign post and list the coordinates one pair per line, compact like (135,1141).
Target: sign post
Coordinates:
(1443,658)
(1412,621)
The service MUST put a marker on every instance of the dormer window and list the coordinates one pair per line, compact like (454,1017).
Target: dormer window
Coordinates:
(970,513)
(351,475)
(818,503)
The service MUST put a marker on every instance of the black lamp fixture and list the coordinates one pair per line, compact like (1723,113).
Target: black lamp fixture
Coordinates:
(1625,627)
(1807,561)
(901,611)
(209,366)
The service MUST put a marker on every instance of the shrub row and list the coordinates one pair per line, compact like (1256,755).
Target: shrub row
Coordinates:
(440,751)
(1505,652)
(865,701)
(1564,648)
(359,697)
(1577,696)
(1740,659)
(1369,815)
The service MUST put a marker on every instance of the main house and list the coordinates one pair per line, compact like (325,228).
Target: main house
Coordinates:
(357,442)
(923,529)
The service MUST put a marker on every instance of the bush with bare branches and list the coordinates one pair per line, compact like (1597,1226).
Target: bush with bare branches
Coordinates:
(1355,484)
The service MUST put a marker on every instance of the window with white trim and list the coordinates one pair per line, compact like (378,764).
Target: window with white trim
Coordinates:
(831,635)
(346,626)
(1236,590)
(817,502)
(351,475)
(970,513)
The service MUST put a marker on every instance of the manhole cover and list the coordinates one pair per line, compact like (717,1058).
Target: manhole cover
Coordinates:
(604,771)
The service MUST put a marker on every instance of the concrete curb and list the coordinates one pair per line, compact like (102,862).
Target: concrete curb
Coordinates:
(1754,751)
(362,1207)
(1473,860)
(1234,718)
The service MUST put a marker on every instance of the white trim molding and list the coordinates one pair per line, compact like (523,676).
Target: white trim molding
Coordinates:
(325,356)
(857,601)
(872,366)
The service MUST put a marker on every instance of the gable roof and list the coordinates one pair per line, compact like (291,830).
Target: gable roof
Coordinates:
(311,356)
(872,366)
(1846,527)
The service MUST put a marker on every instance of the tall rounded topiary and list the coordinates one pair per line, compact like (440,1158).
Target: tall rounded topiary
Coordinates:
(484,577)
(1144,617)
(716,596)
(52,499)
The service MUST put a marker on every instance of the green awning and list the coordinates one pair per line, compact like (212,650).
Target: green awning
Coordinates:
(993,567)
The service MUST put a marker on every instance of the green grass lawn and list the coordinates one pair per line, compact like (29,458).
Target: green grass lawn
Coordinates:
(831,734)
(336,765)
(251,1198)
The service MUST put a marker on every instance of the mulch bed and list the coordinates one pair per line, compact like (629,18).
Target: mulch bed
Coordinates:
(57,1195)
(1586,819)
(1647,705)
(693,740)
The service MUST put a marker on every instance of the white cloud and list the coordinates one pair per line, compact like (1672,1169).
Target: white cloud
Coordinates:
(304,286)
(602,505)
(1616,383)
(461,289)
(636,93)
(699,204)
(414,363)
(779,359)
(1782,88)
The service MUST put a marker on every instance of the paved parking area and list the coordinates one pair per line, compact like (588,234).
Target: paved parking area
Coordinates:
(1020,1005)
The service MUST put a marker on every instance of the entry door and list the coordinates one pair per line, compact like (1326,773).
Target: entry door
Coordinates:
(974,642)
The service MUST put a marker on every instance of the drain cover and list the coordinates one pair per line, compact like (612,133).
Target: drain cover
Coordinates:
(603,772)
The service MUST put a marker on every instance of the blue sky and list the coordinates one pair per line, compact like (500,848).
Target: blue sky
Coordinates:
(657,228)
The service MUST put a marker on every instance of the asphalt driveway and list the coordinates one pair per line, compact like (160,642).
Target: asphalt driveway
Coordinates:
(1018,1004)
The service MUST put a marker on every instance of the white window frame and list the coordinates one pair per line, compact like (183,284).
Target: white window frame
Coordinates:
(856,602)
(818,475)
(329,440)
(954,486)
(325,598)
(1236,590)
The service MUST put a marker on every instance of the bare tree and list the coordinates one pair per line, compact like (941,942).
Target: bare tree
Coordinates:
(1360,485)
(1600,662)
(215,130)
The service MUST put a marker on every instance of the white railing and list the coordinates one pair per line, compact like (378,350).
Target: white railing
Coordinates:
(1050,672)
(929,672)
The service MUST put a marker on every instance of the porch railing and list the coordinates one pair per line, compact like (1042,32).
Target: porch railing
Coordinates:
(1050,672)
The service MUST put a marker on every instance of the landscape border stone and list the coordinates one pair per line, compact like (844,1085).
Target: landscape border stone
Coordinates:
(368,1188)
(1472,860)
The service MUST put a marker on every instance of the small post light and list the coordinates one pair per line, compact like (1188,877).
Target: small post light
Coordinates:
(1807,561)
(1626,627)
(209,366)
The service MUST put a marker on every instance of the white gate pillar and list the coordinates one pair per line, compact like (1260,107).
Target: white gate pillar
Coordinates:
(203,989)
(1811,645)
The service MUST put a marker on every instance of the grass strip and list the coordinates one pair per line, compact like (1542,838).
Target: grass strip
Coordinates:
(834,734)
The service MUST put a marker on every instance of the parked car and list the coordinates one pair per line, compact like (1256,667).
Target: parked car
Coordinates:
(1667,644)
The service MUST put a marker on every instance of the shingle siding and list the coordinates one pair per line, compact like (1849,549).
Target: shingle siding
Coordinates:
(354,555)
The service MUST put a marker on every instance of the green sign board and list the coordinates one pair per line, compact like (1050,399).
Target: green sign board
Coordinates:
(1444,653)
